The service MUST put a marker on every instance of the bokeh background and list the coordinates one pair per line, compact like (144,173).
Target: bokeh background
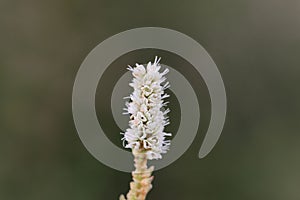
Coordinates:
(255,44)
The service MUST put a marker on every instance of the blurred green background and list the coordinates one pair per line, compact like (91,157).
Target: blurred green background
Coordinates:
(256,46)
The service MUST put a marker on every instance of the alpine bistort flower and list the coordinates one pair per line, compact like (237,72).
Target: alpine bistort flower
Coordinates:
(146,136)
(147,118)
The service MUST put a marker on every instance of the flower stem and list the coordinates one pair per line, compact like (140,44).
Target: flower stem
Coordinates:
(142,178)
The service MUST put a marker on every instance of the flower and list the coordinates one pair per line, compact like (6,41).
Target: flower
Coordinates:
(146,108)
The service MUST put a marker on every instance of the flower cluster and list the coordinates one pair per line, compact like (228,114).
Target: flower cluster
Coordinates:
(146,108)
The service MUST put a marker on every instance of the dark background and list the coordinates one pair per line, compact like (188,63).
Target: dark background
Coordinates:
(256,46)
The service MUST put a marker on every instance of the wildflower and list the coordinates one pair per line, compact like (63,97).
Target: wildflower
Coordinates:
(145,135)
(147,117)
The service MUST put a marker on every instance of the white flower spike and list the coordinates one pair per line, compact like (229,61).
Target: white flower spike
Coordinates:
(146,109)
